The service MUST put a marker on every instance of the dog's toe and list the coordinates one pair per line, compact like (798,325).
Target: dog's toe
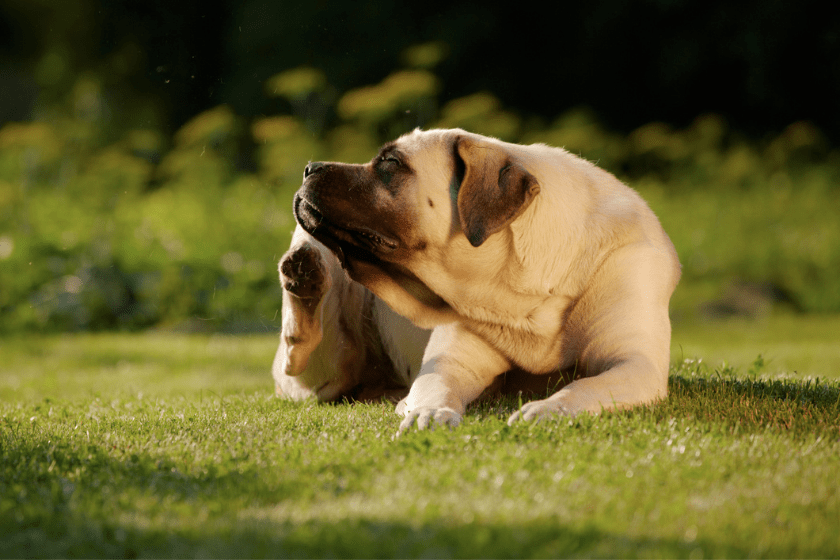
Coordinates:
(303,272)
(539,410)
(429,417)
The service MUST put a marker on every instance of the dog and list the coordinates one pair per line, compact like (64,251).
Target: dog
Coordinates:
(453,264)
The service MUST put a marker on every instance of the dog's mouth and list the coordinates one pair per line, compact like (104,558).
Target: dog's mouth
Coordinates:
(353,245)
(345,241)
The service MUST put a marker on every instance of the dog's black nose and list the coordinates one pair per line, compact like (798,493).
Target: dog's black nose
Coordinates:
(312,168)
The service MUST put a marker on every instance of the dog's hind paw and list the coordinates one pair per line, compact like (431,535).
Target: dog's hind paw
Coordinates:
(304,274)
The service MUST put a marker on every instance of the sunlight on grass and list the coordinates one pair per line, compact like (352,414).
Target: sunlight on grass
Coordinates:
(146,365)
(164,444)
(798,345)
(33,367)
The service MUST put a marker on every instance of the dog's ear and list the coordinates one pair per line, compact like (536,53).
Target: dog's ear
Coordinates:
(494,190)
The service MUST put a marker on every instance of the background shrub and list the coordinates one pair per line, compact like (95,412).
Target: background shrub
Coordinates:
(128,233)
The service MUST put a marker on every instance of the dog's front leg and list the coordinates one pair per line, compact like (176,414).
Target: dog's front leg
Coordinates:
(635,380)
(457,367)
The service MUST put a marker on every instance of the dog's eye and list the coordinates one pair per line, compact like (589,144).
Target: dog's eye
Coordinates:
(390,160)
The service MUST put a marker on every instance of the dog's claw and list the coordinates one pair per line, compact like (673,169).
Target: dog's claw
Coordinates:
(537,411)
(429,417)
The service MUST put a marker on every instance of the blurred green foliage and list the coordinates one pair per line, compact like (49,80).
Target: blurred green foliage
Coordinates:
(104,229)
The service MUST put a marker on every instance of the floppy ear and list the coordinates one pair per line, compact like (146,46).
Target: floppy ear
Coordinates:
(495,189)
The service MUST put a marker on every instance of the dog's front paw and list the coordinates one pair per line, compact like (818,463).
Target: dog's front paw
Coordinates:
(304,274)
(536,411)
(428,417)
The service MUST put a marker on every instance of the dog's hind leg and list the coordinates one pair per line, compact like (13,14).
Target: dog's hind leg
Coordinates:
(329,347)
(305,282)
(305,279)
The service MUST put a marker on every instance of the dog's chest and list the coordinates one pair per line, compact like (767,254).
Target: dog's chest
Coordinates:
(536,341)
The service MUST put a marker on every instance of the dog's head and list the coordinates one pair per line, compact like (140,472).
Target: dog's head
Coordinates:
(423,208)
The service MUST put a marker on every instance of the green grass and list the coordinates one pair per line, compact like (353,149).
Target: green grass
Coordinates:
(150,365)
(790,345)
(172,445)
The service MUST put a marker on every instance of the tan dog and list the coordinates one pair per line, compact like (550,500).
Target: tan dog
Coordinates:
(519,259)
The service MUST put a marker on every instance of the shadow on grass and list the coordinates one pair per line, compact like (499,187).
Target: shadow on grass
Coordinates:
(743,404)
(352,538)
(64,497)
(142,508)
(800,407)
(361,538)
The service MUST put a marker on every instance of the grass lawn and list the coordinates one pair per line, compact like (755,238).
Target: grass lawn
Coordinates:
(790,345)
(163,445)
